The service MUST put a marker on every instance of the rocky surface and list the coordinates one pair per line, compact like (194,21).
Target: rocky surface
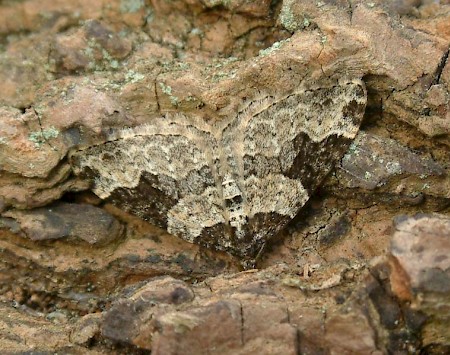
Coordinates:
(421,267)
(80,221)
(74,270)
(386,306)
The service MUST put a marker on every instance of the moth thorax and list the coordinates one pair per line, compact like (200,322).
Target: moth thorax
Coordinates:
(233,205)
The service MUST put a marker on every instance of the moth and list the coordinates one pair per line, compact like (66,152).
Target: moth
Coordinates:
(234,184)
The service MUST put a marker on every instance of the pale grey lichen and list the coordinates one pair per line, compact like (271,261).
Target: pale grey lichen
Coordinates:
(42,136)
(221,75)
(223,62)
(196,31)
(291,21)
(113,63)
(171,66)
(274,47)
(306,22)
(130,6)
(287,18)
(353,149)
(213,3)
(166,89)
(133,77)
(394,168)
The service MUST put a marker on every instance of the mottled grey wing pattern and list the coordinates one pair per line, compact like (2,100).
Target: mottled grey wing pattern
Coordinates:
(161,173)
(280,150)
(232,185)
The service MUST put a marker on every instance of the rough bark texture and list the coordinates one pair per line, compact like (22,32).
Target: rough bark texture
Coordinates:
(363,269)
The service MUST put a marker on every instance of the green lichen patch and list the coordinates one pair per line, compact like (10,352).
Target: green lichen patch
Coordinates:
(274,47)
(130,6)
(133,77)
(287,19)
(222,75)
(42,136)
(166,89)
(174,66)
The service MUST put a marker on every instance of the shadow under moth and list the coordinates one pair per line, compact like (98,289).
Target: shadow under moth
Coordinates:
(233,184)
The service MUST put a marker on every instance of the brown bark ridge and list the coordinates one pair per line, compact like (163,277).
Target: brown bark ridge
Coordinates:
(363,268)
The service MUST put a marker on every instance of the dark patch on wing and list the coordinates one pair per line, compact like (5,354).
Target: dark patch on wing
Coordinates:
(259,229)
(145,200)
(315,159)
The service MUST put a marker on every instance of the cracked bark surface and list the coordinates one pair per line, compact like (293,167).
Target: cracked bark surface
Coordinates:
(343,278)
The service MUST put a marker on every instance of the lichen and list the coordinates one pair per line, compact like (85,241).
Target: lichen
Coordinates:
(133,77)
(394,168)
(287,18)
(42,136)
(130,6)
(224,62)
(113,63)
(166,89)
(213,3)
(196,31)
(274,47)
(306,22)
(171,66)
(224,75)
(106,62)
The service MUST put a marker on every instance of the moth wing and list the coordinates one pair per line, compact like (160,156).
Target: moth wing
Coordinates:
(163,173)
(288,146)
(303,135)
